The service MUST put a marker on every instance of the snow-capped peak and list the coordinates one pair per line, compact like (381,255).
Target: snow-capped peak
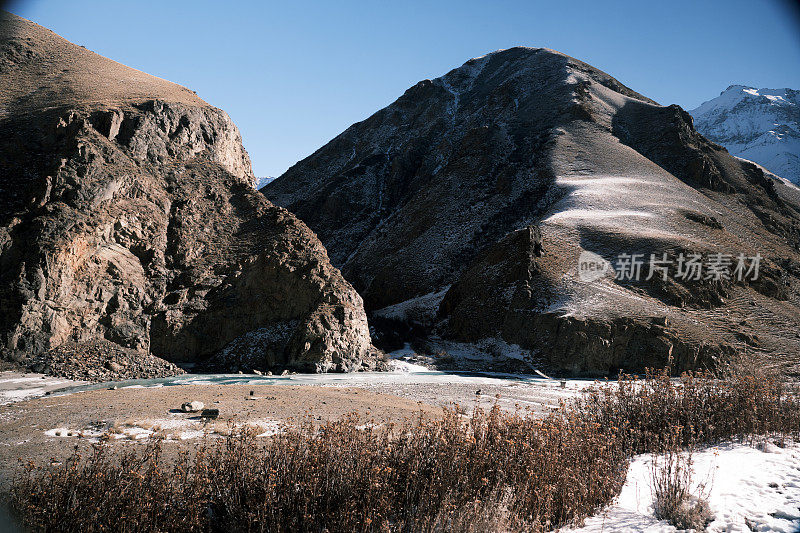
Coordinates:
(261,182)
(762,125)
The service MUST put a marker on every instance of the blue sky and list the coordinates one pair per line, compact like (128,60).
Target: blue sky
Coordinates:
(293,75)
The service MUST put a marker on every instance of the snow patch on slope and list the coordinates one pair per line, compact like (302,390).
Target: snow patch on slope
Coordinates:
(420,309)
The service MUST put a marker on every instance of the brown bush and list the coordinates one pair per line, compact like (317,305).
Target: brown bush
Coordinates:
(491,471)
(677,497)
(705,409)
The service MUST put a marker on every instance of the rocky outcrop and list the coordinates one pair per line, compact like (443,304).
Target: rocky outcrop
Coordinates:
(506,292)
(488,183)
(135,223)
(99,360)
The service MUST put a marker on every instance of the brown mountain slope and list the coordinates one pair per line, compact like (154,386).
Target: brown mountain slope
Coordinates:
(128,221)
(50,72)
(426,196)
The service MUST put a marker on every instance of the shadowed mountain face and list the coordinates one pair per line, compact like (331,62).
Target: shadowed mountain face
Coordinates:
(483,187)
(129,226)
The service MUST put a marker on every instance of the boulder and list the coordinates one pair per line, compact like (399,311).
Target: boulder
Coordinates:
(192,407)
(210,414)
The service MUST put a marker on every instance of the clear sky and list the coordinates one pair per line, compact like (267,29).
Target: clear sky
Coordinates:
(293,75)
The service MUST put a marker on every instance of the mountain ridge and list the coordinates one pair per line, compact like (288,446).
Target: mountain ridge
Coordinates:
(56,72)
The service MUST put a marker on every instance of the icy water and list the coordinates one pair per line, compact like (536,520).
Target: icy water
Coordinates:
(359,379)
(511,391)
(407,380)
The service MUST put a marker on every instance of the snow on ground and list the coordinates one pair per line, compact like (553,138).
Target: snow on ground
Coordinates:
(468,357)
(592,214)
(170,429)
(483,350)
(400,361)
(406,359)
(751,489)
(605,200)
(267,427)
(16,387)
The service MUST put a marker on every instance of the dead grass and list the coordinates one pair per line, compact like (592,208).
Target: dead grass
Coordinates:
(491,471)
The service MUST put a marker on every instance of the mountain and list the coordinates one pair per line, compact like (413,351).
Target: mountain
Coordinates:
(130,231)
(261,182)
(467,203)
(761,125)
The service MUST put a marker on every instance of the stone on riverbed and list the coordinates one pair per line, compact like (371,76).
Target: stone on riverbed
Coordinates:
(192,407)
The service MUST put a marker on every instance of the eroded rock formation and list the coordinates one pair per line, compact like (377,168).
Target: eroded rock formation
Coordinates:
(128,217)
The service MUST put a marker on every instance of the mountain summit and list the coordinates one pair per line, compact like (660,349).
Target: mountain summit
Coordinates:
(475,194)
(761,125)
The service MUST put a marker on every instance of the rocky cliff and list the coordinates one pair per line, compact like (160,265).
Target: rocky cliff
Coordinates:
(129,228)
(481,189)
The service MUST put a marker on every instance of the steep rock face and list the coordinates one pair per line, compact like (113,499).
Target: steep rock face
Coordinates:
(761,125)
(506,291)
(134,222)
(425,197)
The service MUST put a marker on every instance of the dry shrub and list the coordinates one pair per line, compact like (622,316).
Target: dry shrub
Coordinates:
(491,471)
(706,409)
(488,472)
(108,492)
(677,498)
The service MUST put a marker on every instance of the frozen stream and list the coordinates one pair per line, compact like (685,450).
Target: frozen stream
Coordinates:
(409,381)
